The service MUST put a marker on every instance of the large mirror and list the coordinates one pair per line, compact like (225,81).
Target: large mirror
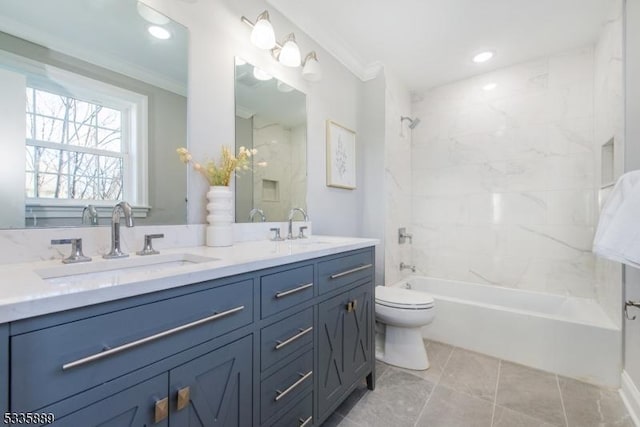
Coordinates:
(271,117)
(94,102)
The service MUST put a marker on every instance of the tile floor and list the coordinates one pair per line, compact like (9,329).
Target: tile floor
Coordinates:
(466,389)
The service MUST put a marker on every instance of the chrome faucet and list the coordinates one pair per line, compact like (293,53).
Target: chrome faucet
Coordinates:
(404,266)
(122,208)
(91,213)
(290,219)
(255,211)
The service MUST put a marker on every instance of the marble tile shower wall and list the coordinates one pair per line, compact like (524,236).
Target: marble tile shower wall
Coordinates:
(503,180)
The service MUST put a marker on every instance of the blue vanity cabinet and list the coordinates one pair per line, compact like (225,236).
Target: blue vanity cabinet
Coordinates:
(214,389)
(145,404)
(345,346)
(4,368)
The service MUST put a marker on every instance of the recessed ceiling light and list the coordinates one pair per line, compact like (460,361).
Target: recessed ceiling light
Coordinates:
(483,56)
(489,86)
(159,32)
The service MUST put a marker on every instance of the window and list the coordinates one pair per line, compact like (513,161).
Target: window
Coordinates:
(75,150)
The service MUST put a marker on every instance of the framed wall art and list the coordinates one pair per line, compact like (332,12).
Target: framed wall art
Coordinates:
(341,156)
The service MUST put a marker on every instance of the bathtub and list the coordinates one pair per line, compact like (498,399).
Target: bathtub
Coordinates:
(565,335)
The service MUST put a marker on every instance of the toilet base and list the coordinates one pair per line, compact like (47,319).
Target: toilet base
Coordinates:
(402,347)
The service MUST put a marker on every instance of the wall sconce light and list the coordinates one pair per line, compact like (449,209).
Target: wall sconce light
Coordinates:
(287,53)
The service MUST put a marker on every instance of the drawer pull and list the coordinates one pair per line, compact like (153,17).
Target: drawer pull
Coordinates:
(280,344)
(305,423)
(281,394)
(150,338)
(281,294)
(161,410)
(353,270)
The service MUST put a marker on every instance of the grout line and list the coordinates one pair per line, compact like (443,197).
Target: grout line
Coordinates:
(564,411)
(495,396)
(426,402)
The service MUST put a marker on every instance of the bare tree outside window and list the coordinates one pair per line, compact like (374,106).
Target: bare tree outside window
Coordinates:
(74,148)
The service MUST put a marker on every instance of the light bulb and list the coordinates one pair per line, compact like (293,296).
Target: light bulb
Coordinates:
(290,52)
(159,32)
(312,71)
(262,35)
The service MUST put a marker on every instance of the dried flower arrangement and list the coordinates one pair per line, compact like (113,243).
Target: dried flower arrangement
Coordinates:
(220,174)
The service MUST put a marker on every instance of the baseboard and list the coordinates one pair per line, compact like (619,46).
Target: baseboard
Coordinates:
(631,397)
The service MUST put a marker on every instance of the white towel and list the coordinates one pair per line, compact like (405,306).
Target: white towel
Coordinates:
(618,233)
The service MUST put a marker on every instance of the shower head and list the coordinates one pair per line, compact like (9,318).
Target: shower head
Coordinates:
(412,122)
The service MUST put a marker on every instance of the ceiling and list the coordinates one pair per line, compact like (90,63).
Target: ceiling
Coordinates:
(428,43)
(111,34)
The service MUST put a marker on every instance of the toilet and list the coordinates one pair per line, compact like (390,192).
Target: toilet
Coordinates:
(400,315)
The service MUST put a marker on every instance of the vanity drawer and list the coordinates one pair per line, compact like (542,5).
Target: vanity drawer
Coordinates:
(285,337)
(286,385)
(301,415)
(285,289)
(345,270)
(51,364)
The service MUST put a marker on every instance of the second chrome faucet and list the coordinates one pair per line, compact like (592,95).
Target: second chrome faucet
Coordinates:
(121,209)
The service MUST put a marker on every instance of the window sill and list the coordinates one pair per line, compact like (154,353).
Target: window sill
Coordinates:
(53,210)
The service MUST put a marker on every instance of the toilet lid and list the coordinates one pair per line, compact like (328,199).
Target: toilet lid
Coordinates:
(392,296)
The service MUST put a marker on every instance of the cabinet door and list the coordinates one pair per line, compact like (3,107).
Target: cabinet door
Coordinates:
(214,389)
(4,368)
(331,376)
(358,334)
(133,407)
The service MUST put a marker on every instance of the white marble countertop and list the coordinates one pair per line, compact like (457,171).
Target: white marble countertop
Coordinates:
(25,293)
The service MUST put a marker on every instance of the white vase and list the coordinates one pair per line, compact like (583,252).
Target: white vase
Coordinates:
(220,216)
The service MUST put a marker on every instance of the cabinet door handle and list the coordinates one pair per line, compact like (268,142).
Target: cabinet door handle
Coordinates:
(184,395)
(161,410)
(281,394)
(353,270)
(303,422)
(136,343)
(281,294)
(280,344)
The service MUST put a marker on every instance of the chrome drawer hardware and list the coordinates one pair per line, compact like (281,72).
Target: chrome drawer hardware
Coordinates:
(353,270)
(304,423)
(184,395)
(281,394)
(161,410)
(281,294)
(303,332)
(145,340)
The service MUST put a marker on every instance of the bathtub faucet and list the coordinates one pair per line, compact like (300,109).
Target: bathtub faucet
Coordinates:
(404,266)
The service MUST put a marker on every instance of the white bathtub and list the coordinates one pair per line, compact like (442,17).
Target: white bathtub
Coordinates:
(565,335)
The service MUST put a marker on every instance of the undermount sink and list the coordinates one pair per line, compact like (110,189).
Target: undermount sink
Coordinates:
(107,269)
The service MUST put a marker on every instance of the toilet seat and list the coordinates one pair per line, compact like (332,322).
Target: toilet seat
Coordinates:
(406,299)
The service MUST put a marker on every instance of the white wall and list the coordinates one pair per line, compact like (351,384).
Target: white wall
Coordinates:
(632,162)
(397,177)
(608,124)
(216,36)
(503,179)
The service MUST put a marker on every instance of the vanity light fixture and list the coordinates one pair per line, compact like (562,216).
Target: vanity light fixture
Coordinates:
(159,32)
(483,56)
(261,75)
(311,70)
(262,34)
(288,53)
(489,86)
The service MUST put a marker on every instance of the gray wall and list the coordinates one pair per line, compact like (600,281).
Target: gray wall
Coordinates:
(167,129)
(632,162)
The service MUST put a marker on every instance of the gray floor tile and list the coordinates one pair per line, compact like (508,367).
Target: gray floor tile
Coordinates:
(380,369)
(397,401)
(531,392)
(504,417)
(438,354)
(587,405)
(336,420)
(449,408)
(471,373)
